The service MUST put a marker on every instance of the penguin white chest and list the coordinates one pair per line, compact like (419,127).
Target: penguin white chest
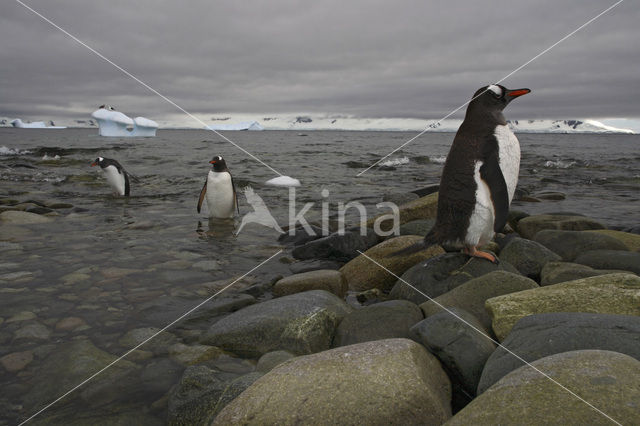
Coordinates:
(509,153)
(480,230)
(115,179)
(220,199)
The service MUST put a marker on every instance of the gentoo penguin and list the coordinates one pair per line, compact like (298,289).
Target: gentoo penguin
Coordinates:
(219,191)
(479,176)
(116,175)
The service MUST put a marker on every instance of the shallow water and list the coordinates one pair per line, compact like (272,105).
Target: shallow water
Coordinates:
(121,264)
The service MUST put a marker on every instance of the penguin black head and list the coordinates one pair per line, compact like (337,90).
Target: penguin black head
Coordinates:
(218,164)
(495,97)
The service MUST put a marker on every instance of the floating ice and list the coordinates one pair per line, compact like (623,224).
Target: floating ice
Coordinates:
(283,181)
(116,124)
(559,164)
(33,125)
(441,159)
(46,157)
(12,151)
(395,162)
(244,125)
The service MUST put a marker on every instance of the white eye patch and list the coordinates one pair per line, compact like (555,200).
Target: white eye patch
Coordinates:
(495,89)
(100,158)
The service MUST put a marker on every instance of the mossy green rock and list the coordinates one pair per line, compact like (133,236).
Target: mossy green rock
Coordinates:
(322,279)
(571,244)
(362,273)
(607,380)
(632,241)
(22,218)
(559,272)
(423,208)
(393,381)
(604,294)
(530,226)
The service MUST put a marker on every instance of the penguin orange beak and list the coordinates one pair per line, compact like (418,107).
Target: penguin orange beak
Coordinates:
(212,162)
(517,92)
(94,164)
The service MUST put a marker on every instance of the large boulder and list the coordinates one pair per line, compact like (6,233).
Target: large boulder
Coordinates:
(417,227)
(423,208)
(604,294)
(471,295)
(323,279)
(611,259)
(341,247)
(301,323)
(605,381)
(570,244)
(460,342)
(362,273)
(527,256)
(528,227)
(394,381)
(440,274)
(14,217)
(540,335)
(559,272)
(632,241)
(383,320)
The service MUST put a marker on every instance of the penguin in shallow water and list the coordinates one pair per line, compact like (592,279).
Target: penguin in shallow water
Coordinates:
(479,176)
(116,175)
(219,191)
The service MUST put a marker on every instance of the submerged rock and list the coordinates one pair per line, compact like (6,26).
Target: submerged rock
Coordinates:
(394,381)
(16,361)
(14,217)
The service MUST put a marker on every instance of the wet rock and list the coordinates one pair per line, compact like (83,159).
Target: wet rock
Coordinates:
(399,198)
(426,190)
(632,241)
(541,335)
(376,322)
(235,388)
(528,227)
(207,265)
(193,354)
(70,324)
(605,294)
(16,361)
(423,208)
(461,344)
(558,272)
(394,381)
(335,246)
(329,280)
(362,273)
(471,295)
(14,217)
(570,244)
(157,377)
(156,343)
(195,397)
(301,236)
(607,380)
(19,277)
(528,257)
(417,227)
(314,265)
(611,259)
(270,360)
(550,195)
(441,274)
(300,323)
(32,332)
(21,316)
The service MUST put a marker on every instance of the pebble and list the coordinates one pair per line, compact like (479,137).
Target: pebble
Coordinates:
(70,324)
(22,316)
(207,265)
(33,332)
(16,361)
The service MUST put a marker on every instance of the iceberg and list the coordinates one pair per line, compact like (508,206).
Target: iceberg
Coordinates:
(33,125)
(244,125)
(113,123)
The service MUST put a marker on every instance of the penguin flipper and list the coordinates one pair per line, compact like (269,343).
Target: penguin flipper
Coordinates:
(491,173)
(127,186)
(235,194)
(202,194)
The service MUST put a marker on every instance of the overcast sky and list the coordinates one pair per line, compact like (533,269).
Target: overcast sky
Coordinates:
(364,58)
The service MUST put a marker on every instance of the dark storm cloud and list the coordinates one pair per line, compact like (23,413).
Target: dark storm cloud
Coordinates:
(366,58)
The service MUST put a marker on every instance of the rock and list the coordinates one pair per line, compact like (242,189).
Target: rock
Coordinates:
(235,388)
(327,279)
(314,265)
(462,345)
(207,265)
(300,323)
(120,414)
(632,241)
(301,236)
(394,381)
(14,217)
(471,295)
(423,208)
(426,190)
(399,198)
(570,244)
(157,343)
(440,274)
(193,354)
(606,380)
(611,259)
(33,332)
(70,324)
(16,361)
(417,227)
(528,227)
(528,257)
(541,335)
(270,360)
(550,195)
(558,272)
(193,400)
(335,246)
(362,273)
(157,377)
(376,322)
(21,316)
(604,294)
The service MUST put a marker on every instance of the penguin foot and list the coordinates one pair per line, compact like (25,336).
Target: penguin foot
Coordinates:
(474,252)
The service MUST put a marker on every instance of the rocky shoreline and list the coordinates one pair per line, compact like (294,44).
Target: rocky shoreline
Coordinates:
(356,336)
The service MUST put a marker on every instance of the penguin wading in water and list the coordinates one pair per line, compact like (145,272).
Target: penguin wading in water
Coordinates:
(479,176)
(116,175)
(219,191)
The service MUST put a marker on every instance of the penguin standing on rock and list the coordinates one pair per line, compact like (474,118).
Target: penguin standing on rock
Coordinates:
(219,191)
(479,176)
(116,175)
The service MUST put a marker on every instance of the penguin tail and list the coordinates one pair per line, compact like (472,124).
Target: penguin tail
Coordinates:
(429,240)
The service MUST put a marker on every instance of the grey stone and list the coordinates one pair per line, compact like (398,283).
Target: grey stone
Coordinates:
(375,322)
(570,244)
(313,265)
(14,217)
(158,344)
(195,397)
(528,227)
(417,227)
(558,272)
(32,332)
(335,246)
(528,257)
(611,259)
(327,279)
(270,360)
(399,198)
